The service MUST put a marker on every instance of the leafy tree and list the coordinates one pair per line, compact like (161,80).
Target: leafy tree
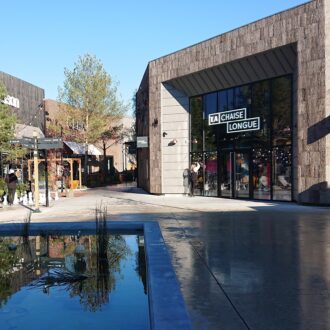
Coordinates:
(89,102)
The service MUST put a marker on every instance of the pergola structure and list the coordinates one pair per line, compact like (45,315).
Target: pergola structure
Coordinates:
(69,160)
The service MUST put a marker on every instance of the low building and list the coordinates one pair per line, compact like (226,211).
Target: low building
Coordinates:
(106,157)
(25,99)
(26,102)
(249,109)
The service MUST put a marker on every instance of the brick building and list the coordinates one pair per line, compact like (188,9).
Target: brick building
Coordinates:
(250,108)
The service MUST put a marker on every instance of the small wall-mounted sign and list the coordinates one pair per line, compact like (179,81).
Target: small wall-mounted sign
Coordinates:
(235,120)
(12,101)
(142,142)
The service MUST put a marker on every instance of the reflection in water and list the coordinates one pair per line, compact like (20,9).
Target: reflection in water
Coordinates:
(76,268)
(274,267)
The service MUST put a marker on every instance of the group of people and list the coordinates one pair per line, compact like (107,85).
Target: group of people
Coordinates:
(190,179)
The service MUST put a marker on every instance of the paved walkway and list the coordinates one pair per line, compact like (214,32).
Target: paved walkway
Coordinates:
(240,264)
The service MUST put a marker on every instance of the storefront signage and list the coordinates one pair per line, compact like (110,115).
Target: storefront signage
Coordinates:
(226,116)
(12,101)
(142,142)
(250,124)
(236,120)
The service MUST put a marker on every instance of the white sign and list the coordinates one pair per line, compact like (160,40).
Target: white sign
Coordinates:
(236,120)
(226,116)
(142,142)
(12,101)
(250,124)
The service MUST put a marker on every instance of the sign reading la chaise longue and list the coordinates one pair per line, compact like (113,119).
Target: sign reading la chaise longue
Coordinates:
(236,121)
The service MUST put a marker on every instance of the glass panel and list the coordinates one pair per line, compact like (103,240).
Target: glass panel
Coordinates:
(261,173)
(197,179)
(211,174)
(242,174)
(282,173)
(222,101)
(196,110)
(226,174)
(210,106)
(243,97)
(221,129)
(231,99)
(281,107)
(261,108)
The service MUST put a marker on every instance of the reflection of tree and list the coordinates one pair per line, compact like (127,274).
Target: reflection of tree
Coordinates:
(8,260)
(91,275)
(141,268)
(103,264)
(281,104)
(196,124)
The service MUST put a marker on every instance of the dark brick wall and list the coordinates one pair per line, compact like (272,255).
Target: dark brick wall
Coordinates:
(30,98)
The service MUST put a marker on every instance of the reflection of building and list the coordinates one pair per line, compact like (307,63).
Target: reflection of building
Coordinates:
(265,84)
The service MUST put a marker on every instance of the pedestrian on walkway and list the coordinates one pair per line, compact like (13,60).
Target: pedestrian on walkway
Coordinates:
(11,180)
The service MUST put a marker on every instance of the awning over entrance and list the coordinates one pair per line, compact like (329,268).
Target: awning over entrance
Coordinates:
(27,131)
(273,63)
(79,148)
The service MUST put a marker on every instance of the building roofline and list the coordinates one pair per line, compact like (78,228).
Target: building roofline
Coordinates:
(26,82)
(230,31)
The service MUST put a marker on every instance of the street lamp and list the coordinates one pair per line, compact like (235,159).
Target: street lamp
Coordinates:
(45,113)
(62,166)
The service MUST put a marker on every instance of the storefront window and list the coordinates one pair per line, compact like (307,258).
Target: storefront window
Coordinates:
(243,97)
(252,163)
(231,99)
(198,159)
(211,174)
(282,173)
(196,108)
(210,106)
(281,110)
(261,173)
(222,101)
(261,108)
(226,174)
(242,174)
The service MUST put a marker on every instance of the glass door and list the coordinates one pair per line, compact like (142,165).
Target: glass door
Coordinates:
(234,174)
(242,175)
(226,174)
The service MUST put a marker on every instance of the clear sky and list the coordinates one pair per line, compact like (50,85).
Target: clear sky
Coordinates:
(42,37)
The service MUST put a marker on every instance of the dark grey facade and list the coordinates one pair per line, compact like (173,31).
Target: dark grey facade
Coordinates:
(26,100)
(293,43)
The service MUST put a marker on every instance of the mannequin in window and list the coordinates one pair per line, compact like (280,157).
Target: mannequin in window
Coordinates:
(193,177)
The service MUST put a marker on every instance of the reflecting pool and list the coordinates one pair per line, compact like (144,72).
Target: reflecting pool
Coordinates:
(73,281)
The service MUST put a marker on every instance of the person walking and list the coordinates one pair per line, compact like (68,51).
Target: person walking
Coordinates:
(11,180)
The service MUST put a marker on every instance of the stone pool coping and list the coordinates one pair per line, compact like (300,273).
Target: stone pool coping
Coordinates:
(166,305)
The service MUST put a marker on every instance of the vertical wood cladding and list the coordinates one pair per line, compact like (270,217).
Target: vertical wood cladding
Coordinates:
(30,97)
(303,26)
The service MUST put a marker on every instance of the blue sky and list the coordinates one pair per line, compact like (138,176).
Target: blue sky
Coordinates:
(40,38)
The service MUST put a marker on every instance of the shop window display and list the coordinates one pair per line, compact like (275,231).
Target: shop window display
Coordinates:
(251,164)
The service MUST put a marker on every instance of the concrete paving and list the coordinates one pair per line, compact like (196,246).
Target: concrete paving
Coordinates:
(240,264)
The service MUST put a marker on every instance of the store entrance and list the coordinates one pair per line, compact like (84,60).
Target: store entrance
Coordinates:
(235,170)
